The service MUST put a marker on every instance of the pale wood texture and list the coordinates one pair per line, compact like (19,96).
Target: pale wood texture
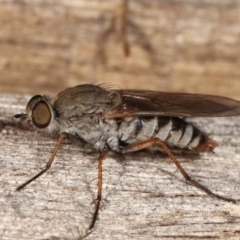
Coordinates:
(47,46)
(186,45)
(144,197)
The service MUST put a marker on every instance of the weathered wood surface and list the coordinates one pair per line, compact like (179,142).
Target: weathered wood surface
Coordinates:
(177,45)
(144,197)
(46,46)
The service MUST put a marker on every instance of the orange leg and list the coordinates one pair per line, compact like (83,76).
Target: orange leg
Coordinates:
(148,143)
(62,136)
(99,194)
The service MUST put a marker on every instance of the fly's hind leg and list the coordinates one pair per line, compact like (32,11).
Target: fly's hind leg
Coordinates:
(152,141)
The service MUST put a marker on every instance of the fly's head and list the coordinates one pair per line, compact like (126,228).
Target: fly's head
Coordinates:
(40,114)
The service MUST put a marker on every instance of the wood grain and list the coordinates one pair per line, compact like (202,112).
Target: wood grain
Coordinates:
(144,197)
(187,45)
(47,46)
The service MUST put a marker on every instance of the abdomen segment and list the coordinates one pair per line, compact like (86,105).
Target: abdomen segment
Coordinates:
(175,132)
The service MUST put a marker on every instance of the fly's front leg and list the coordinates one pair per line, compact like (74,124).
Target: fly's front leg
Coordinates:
(152,141)
(62,136)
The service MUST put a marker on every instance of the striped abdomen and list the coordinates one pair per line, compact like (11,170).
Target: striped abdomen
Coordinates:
(175,132)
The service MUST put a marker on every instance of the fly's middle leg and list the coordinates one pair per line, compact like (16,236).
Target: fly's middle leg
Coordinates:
(99,195)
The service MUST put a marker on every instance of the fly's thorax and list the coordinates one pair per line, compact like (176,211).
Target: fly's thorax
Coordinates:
(174,131)
(92,129)
(84,100)
(80,113)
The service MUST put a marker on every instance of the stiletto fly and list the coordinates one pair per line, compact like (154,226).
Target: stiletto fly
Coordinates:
(127,121)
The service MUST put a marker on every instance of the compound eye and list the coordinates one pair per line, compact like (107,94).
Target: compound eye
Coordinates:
(41,115)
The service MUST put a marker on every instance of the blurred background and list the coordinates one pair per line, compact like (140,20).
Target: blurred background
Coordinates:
(165,45)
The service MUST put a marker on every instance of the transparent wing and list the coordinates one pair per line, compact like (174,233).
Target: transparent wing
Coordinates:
(153,103)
